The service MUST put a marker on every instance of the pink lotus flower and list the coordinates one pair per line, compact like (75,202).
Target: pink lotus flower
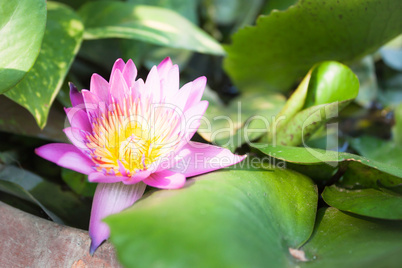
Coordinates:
(127,134)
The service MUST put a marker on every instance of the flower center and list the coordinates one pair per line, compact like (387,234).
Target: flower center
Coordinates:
(129,135)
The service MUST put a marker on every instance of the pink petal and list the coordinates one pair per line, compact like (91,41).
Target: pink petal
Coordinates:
(170,84)
(118,65)
(152,85)
(110,198)
(92,104)
(75,96)
(138,176)
(130,73)
(166,179)
(164,67)
(205,158)
(192,118)
(181,97)
(78,118)
(66,155)
(100,87)
(77,137)
(196,92)
(102,178)
(138,88)
(118,86)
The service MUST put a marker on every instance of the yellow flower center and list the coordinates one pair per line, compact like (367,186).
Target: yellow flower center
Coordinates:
(133,135)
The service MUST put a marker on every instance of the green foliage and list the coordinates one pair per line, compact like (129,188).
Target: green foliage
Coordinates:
(210,221)
(61,42)
(22,26)
(263,211)
(383,204)
(340,239)
(150,24)
(284,45)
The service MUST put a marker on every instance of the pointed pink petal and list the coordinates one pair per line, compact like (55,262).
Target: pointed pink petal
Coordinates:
(192,118)
(138,88)
(75,96)
(100,87)
(130,73)
(92,104)
(152,85)
(196,92)
(102,178)
(170,84)
(205,158)
(66,155)
(110,198)
(180,98)
(137,177)
(77,137)
(118,87)
(166,179)
(118,65)
(78,118)
(164,67)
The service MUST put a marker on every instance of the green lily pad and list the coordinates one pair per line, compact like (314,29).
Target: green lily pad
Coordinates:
(22,26)
(343,240)
(278,5)
(243,120)
(381,204)
(63,35)
(160,26)
(378,149)
(237,218)
(284,45)
(310,156)
(326,89)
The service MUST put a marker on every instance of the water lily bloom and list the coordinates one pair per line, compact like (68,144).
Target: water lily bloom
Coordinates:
(127,134)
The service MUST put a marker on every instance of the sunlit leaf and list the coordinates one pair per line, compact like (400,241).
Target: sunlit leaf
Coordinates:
(245,119)
(341,240)
(284,45)
(327,88)
(63,35)
(155,25)
(311,156)
(222,219)
(22,25)
(382,204)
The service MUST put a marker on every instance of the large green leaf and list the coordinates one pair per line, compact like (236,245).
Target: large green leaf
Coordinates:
(382,204)
(284,45)
(237,218)
(105,19)
(326,89)
(243,120)
(311,156)
(341,240)
(22,25)
(62,39)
